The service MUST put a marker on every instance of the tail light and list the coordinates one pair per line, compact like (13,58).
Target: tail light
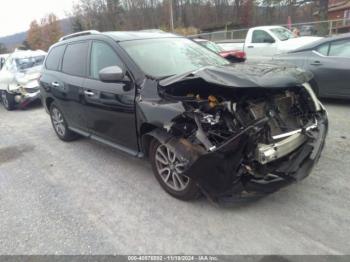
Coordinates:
(241,55)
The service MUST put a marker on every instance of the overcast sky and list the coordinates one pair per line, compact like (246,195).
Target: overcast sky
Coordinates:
(16,15)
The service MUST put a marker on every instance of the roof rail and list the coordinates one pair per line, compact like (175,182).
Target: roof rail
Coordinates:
(88,32)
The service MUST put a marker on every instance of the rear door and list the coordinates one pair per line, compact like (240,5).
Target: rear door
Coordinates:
(49,80)
(63,78)
(330,64)
(109,107)
(69,85)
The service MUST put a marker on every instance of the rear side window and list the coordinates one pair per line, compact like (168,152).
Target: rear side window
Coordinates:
(75,59)
(340,48)
(54,57)
(102,55)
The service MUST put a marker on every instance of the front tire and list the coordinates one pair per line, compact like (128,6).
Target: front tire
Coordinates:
(60,126)
(8,100)
(167,169)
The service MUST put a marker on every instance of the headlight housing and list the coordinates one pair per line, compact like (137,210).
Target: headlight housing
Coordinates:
(314,98)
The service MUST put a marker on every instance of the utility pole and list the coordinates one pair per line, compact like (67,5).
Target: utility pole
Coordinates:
(171,15)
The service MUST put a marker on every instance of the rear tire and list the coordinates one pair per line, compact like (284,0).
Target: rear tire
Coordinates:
(8,100)
(167,170)
(60,126)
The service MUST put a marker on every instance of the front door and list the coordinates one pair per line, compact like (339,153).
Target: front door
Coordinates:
(109,107)
(262,46)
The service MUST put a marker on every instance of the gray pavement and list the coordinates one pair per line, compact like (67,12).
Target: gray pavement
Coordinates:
(86,198)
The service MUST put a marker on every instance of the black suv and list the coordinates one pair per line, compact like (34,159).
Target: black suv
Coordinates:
(225,130)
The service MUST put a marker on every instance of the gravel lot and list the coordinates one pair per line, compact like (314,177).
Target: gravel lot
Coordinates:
(86,198)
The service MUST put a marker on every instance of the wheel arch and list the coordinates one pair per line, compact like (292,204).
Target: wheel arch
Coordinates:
(148,132)
(48,103)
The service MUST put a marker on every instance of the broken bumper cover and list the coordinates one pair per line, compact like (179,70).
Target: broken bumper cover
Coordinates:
(217,172)
(29,97)
(25,91)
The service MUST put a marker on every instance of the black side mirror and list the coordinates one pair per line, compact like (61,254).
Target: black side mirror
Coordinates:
(112,74)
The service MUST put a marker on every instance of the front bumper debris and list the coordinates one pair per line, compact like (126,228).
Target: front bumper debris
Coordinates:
(268,153)
(221,177)
(294,168)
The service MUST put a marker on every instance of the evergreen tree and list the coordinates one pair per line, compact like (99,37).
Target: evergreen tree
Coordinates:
(3,49)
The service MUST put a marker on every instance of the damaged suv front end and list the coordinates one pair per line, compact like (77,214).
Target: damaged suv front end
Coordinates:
(228,131)
(240,131)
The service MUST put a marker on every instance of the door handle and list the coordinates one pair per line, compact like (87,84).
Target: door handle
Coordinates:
(251,46)
(316,63)
(89,93)
(55,84)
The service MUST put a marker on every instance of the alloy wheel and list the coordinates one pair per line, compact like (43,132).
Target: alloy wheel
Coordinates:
(171,169)
(58,122)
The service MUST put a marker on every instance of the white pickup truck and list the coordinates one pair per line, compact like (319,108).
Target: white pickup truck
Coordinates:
(266,41)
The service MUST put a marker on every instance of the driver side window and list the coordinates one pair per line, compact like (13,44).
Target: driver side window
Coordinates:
(260,36)
(102,56)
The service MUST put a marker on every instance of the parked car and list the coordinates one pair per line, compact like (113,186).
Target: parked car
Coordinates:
(264,42)
(329,61)
(308,30)
(206,125)
(234,56)
(19,78)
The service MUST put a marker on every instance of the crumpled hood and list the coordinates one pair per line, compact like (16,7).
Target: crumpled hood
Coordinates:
(294,43)
(245,75)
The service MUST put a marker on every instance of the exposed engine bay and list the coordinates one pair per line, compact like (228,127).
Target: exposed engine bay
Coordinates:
(212,119)
(255,132)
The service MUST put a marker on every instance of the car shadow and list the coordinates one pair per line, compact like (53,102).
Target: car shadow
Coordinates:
(145,170)
(33,105)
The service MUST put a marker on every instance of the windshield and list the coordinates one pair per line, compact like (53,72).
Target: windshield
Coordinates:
(282,34)
(28,62)
(170,56)
(212,46)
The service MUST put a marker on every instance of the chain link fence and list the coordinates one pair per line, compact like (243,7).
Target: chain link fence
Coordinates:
(319,28)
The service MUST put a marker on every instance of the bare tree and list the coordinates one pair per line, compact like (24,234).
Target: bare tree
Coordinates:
(203,14)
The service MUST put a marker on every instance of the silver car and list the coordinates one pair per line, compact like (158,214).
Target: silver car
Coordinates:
(329,60)
(19,78)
